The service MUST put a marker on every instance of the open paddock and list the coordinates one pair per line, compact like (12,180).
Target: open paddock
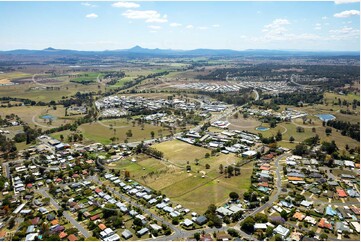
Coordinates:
(102,131)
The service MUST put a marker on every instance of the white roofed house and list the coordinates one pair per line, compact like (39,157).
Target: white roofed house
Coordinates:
(284,232)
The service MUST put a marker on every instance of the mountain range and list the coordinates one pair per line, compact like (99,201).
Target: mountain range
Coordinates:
(139,51)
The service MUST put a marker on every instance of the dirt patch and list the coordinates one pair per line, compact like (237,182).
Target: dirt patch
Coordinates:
(4,81)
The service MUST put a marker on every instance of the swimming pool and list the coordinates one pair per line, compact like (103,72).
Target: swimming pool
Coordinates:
(261,128)
(325,117)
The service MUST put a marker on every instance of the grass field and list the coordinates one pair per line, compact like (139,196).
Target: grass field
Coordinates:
(38,93)
(101,131)
(90,77)
(188,189)
(14,75)
(32,115)
(181,152)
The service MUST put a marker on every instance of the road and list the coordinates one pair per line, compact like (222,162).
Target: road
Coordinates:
(66,214)
(177,231)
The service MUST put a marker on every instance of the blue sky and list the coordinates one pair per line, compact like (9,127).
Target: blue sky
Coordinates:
(180,25)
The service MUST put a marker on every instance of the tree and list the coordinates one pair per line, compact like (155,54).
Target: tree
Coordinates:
(233,195)
(328,131)
(129,133)
(323,236)
(207,155)
(197,236)
(208,166)
(261,218)
(279,136)
(248,225)
(230,170)
(292,139)
(152,134)
(284,214)
(278,237)
(221,168)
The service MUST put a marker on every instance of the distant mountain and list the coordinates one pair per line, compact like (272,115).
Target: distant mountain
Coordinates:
(139,51)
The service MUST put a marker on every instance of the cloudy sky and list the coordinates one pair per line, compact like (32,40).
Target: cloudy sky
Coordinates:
(331,25)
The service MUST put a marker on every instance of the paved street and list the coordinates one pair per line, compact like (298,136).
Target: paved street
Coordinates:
(66,214)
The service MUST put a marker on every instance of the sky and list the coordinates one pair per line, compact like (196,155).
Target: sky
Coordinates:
(315,26)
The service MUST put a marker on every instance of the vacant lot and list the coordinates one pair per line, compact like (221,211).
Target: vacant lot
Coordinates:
(180,152)
(102,131)
(188,189)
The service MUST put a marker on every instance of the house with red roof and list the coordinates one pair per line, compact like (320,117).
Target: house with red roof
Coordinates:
(62,235)
(324,224)
(95,217)
(72,237)
(341,193)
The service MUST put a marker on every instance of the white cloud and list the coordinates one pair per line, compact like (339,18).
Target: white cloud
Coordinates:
(346,1)
(154,27)
(91,15)
(203,28)
(189,26)
(150,16)
(125,5)
(347,13)
(344,33)
(175,25)
(89,5)
(275,29)
(216,25)
(318,26)
(324,18)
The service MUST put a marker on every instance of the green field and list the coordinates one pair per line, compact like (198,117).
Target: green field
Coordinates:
(181,152)
(188,189)
(38,93)
(102,132)
(88,77)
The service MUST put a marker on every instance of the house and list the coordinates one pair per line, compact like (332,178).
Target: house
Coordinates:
(155,227)
(296,236)
(306,203)
(72,237)
(31,237)
(187,222)
(261,226)
(223,211)
(35,221)
(356,226)
(342,227)
(298,215)
(284,232)
(142,232)
(323,223)
(201,220)
(30,229)
(102,226)
(355,210)
(126,234)
(95,217)
(310,220)
(341,193)
(62,235)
